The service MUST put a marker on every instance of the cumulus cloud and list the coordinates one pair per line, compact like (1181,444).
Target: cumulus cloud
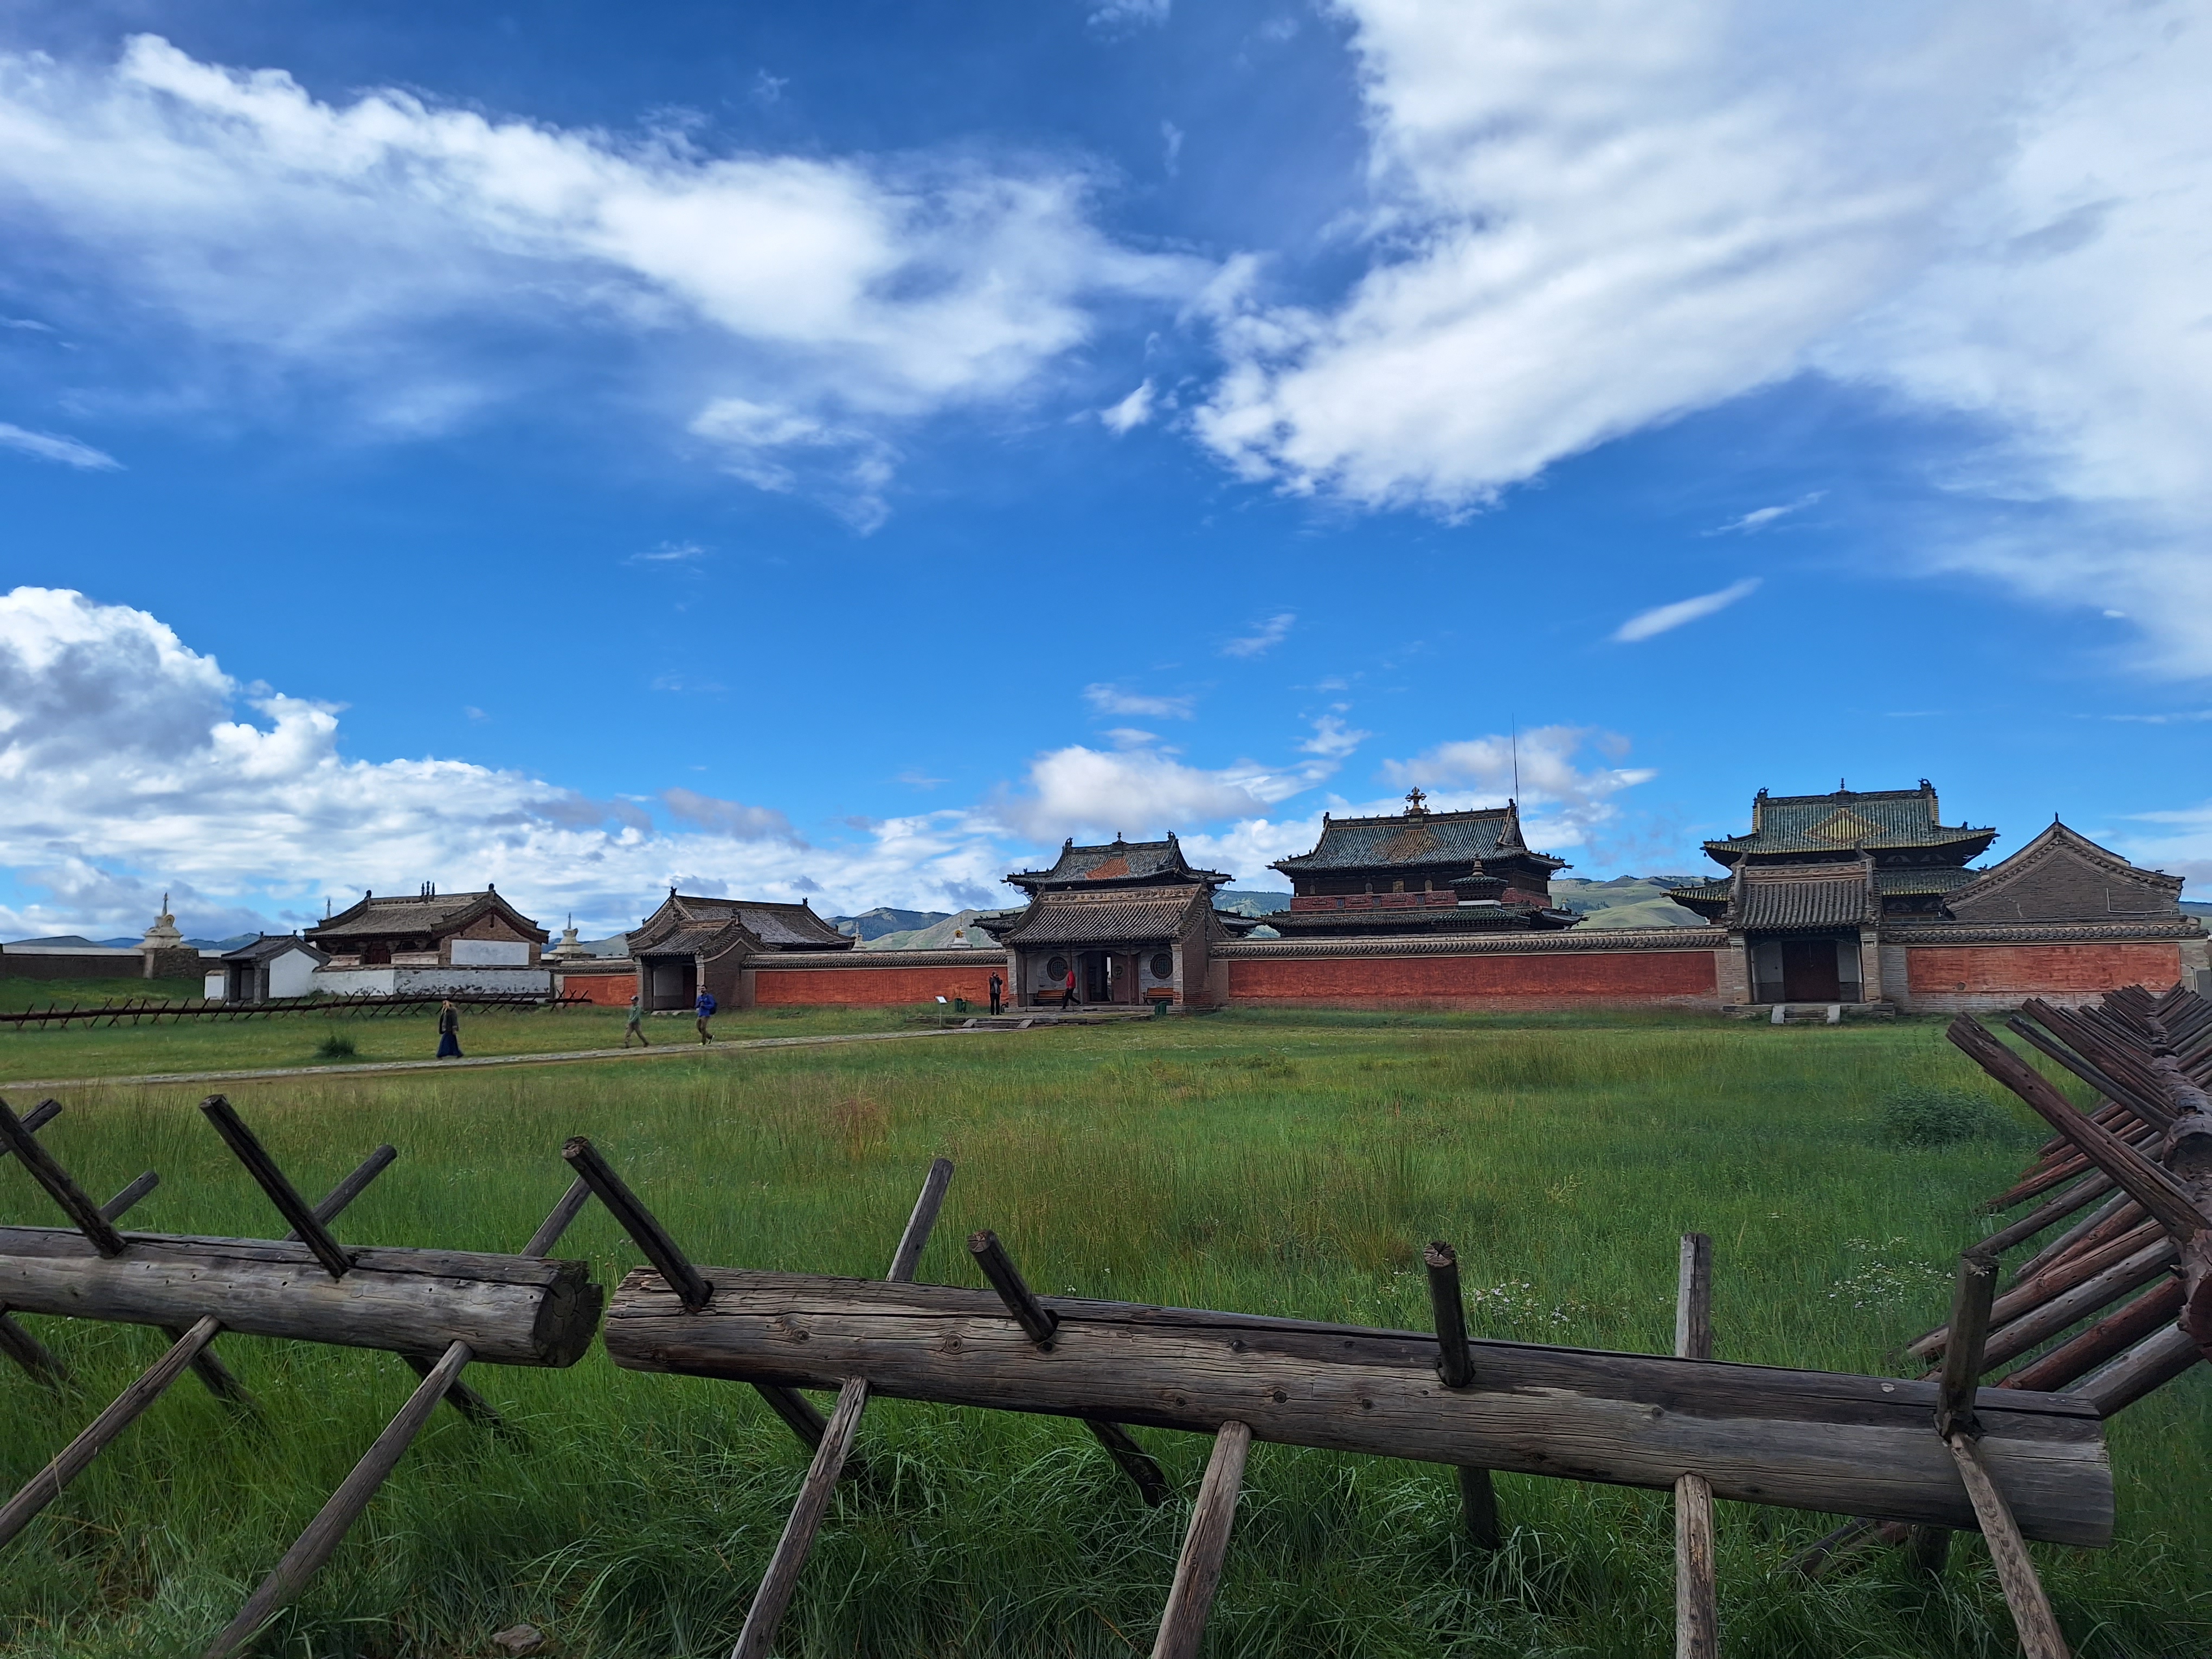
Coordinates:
(729,818)
(125,769)
(52,447)
(1264,638)
(1113,699)
(1562,800)
(1589,219)
(1081,791)
(789,308)
(1644,625)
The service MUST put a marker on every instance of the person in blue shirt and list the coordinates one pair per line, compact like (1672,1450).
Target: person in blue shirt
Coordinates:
(705,1009)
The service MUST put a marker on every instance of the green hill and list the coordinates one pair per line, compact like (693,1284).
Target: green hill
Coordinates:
(1626,901)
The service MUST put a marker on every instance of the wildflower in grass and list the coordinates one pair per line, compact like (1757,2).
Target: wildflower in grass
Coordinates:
(1883,1280)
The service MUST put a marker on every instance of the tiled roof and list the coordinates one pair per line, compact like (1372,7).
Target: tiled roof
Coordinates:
(1848,818)
(268,945)
(1940,878)
(413,913)
(777,925)
(1709,891)
(689,941)
(1411,838)
(1795,897)
(1063,917)
(1131,862)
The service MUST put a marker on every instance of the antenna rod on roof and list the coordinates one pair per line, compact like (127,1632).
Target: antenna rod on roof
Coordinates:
(1516,756)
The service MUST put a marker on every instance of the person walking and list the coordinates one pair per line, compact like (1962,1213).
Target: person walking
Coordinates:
(1067,991)
(705,1009)
(998,993)
(449,1031)
(635,1028)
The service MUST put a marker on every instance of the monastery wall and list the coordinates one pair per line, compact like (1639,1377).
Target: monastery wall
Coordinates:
(1671,966)
(1974,976)
(874,978)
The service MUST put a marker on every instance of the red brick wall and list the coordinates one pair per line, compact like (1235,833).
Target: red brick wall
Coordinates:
(779,987)
(1534,981)
(1933,973)
(607,990)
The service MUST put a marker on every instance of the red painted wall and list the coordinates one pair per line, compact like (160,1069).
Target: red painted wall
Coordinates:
(2026,970)
(607,990)
(1532,981)
(780,988)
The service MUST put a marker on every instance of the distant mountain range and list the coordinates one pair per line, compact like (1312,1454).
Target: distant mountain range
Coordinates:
(79,942)
(1626,901)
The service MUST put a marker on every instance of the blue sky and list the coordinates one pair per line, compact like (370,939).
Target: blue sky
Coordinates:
(842,450)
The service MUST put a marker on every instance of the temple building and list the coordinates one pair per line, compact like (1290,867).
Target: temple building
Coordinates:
(1421,872)
(693,944)
(1826,893)
(429,942)
(1133,921)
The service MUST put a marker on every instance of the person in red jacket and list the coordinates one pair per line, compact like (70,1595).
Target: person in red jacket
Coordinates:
(1067,991)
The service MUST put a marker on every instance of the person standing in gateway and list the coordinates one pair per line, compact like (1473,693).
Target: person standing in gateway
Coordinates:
(705,1009)
(449,1031)
(998,994)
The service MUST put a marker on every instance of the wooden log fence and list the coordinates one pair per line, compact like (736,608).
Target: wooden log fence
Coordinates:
(138,1010)
(2120,1302)
(437,1309)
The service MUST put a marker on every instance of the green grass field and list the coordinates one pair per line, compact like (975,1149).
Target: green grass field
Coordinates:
(84,1049)
(1270,1163)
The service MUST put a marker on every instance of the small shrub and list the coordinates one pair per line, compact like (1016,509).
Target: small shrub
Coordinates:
(1927,1116)
(336,1046)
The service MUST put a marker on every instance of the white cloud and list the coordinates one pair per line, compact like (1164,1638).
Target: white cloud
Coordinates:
(1088,792)
(1132,412)
(50,446)
(1332,739)
(123,770)
(671,553)
(1113,699)
(1589,219)
(1759,516)
(1119,14)
(1262,640)
(786,302)
(1662,617)
(1561,802)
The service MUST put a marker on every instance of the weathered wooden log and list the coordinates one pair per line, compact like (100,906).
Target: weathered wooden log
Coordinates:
(757,1639)
(306,1225)
(60,1185)
(327,1531)
(2039,1635)
(1971,1298)
(1697,1591)
(2148,1366)
(2054,1316)
(343,1507)
(1478,1494)
(1035,1319)
(33,1355)
(512,1311)
(2105,1340)
(2150,1186)
(1804,1439)
(71,1460)
(1204,1547)
(2187,1155)
(2075,1269)
(2117,1214)
(33,1120)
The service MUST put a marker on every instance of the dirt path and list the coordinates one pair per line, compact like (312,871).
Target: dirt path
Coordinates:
(658,1051)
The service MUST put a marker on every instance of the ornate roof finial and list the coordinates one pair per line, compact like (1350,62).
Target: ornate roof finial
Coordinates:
(1415,807)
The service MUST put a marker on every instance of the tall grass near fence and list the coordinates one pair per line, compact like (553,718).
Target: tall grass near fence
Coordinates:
(1270,1163)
